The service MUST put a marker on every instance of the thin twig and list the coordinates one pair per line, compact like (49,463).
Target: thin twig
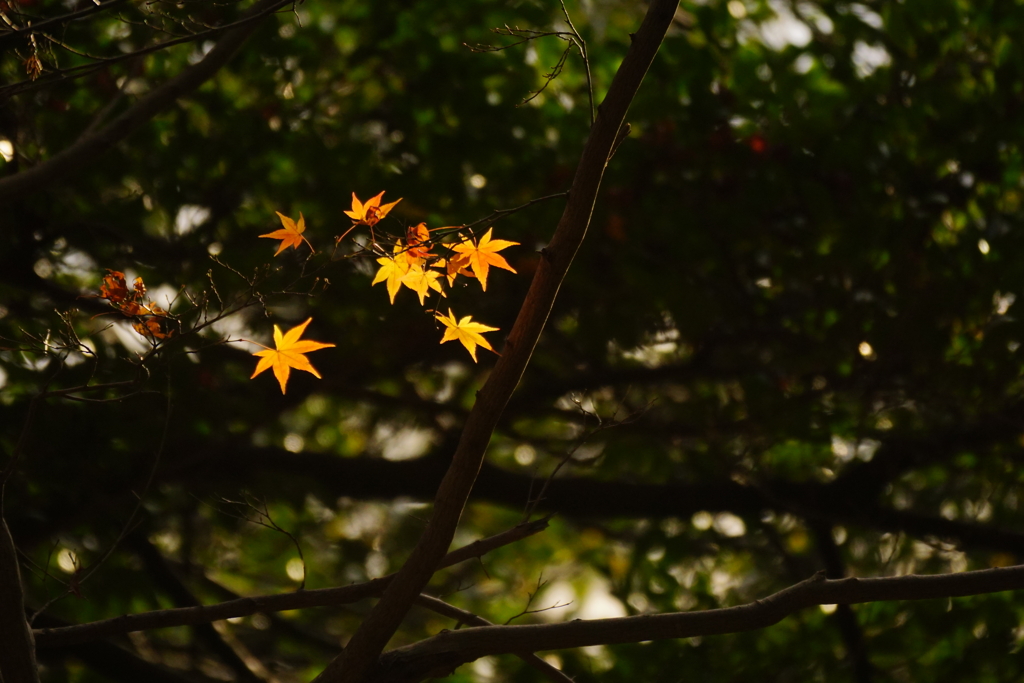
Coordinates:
(582,45)
(63,19)
(263,512)
(59,75)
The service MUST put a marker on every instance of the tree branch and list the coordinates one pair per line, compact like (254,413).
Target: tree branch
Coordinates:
(462,616)
(6,36)
(243,607)
(161,574)
(444,652)
(88,147)
(364,649)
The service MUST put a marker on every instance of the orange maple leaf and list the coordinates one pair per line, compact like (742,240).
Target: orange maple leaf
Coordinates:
(455,266)
(371,212)
(483,254)
(291,234)
(465,331)
(416,238)
(114,288)
(288,354)
(155,326)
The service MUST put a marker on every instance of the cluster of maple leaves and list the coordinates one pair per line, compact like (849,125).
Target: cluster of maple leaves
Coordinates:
(148,319)
(411,263)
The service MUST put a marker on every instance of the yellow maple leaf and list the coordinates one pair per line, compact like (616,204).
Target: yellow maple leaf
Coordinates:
(420,280)
(393,269)
(371,212)
(482,255)
(291,234)
(465,331)
(288,354)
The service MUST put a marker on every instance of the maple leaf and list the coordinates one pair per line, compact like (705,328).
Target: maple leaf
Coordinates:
(371,212)
(288,354)
(420,280)
(416,237)
(114,287)
(455,266)
(155,327)
(393,269)
(465,331)
(483,254)
(291,234)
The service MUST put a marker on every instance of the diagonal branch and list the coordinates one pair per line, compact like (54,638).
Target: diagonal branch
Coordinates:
(363,650)
(158,570)
(444,652)
(79,154)
(116,664)
(243,607)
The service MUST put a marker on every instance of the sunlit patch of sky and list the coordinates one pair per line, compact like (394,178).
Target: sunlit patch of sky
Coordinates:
(401,443)
(484,669)
(812,14)
(848,449)
(596,602)
(236,328)
(129,338)
(867,15)
(788,28)
(867,58)
(86,349)
(163,295)
(803,64)
(361,520)
(77,264)
(189,217)
(777,33)
(729,525)
(1002,302)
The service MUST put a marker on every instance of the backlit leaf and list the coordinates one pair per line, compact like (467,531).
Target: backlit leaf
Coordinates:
(465,331)
(290,235)
(483,254)
(288,354)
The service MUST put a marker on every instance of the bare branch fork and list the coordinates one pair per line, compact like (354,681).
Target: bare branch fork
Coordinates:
(361,657)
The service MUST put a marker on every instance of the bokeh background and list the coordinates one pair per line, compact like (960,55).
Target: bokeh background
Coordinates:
(789,342)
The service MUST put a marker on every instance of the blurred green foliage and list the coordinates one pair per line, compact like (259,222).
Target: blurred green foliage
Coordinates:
(793,316)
